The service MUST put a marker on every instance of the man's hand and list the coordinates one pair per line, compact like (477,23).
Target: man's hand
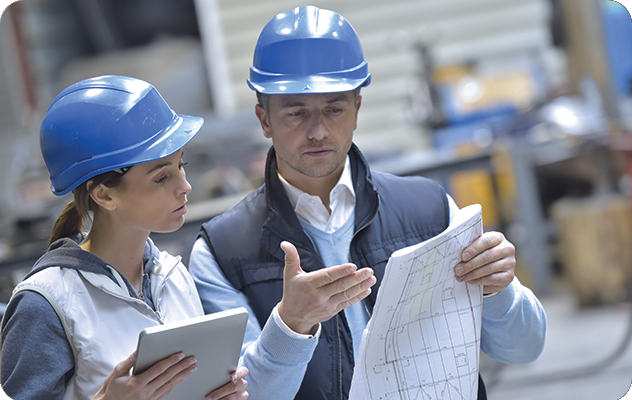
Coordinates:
(489,261)
(310,298)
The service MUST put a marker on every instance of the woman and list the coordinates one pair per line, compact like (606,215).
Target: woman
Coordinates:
(71,325)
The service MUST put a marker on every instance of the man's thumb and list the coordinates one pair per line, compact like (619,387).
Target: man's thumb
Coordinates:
(292,261)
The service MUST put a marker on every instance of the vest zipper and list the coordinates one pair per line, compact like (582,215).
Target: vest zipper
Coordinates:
(368,223)
(339,357)
(163,283)
(352,238)
(366,309)
(340,388)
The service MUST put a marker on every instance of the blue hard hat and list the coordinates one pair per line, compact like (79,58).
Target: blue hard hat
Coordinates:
(109,122)
(308,50)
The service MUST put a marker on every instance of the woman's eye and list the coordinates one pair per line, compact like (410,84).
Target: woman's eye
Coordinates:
(162,180)
(182,164)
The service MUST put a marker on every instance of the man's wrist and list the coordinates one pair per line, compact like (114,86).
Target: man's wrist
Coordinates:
(299,326)
(314,332)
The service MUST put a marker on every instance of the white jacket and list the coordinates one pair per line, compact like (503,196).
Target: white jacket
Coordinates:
(102,321)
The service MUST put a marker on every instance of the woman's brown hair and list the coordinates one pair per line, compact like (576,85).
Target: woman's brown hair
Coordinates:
(76,217)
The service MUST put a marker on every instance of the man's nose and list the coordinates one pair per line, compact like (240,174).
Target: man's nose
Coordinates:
(317,130)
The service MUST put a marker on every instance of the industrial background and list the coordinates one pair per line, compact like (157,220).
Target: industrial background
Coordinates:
(523,106)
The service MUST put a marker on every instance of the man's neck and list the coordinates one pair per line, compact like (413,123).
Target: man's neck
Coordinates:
(320,187)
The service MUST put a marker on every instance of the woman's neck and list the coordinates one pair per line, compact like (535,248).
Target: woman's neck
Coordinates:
(123,252)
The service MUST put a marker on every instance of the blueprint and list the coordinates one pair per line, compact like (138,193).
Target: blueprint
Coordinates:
(423,339)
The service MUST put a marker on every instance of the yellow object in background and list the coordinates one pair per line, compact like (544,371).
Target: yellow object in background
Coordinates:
(474,92)
(494,188)
(475,186)
(594,235)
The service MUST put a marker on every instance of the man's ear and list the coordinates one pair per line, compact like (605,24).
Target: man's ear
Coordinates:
(263,120)
(102,196)
(357,108)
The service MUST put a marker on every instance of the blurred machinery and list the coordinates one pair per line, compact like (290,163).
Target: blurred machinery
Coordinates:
(499,129)
(549,147)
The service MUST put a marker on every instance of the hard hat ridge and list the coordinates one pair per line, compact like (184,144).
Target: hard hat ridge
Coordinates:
(308,50)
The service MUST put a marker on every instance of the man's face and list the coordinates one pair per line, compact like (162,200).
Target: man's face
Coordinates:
(311,133)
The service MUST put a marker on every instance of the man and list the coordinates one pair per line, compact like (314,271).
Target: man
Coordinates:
(303,250)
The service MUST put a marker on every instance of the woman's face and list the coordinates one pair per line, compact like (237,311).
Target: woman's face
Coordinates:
(153,195)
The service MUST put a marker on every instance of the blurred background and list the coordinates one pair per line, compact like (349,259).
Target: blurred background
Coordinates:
(523,106)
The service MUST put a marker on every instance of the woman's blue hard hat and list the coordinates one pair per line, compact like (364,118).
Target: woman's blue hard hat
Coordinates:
(105,123)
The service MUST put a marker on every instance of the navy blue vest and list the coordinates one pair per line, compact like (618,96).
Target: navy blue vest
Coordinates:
(391,213)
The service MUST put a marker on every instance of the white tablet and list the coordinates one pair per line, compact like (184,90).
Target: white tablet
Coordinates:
(214,340)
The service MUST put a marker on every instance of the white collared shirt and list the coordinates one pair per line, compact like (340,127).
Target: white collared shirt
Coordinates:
(311,209)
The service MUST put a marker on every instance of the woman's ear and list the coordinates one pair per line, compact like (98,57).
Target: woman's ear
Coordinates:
(102,196)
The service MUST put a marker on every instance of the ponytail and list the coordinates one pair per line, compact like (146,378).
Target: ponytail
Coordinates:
(69,223)
(78,214)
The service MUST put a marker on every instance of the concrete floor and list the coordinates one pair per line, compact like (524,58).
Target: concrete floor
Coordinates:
(585,356)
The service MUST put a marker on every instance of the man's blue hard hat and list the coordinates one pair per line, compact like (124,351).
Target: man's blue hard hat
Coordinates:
(308,50)
(109,122)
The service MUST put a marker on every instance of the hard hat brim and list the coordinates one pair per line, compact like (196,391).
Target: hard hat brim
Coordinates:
(171,139)
(316,84)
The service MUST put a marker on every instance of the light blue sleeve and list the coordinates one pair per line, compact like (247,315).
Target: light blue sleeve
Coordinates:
(514,325)
(513,328)
(276,360)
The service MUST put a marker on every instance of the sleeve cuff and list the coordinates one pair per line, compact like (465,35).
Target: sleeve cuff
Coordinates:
(498,304)
(277,318)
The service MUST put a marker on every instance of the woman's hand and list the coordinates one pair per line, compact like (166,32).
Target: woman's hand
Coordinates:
(235,389)
(153,384)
